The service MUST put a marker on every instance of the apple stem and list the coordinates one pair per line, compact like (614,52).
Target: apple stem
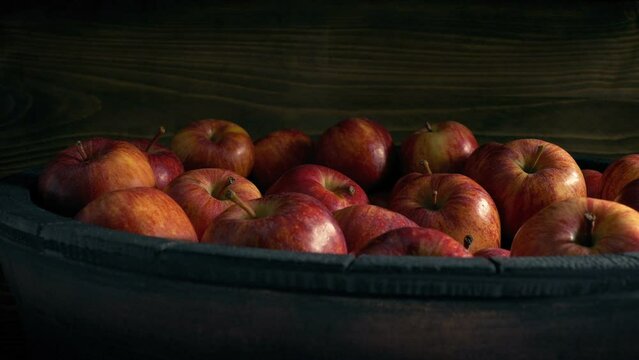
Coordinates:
(540,149)
(231,195)
(590,226)
(230,181)
(468,240)
(83,154)
(351,190)
(428,127)
(426,167)
(160,132)
(435,198)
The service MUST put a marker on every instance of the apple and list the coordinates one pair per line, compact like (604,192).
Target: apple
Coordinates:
(445,146)
(214,143)
(452,203)
(142,210)
(629,195)
(165,164)
(332,188)
(359,148)
(593,182)
(524,176)
(81,173)
(361,223)
(287,221)
(415,241)
(579,226)
(407,178)
(492,252)
(279,151)
(201,193)
(619,173)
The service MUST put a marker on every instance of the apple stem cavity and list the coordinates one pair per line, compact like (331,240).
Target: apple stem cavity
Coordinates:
(230,181)
(231,195)
(351,190)
(590,227)
(160,132)
(540,150)
(468,240)
(424,164)
(83,153)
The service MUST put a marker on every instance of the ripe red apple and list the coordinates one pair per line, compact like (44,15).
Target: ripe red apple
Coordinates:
(593,182)
(201,193)
(524,176)
(452,203)
(579,226)
(214,144)
(445,146)
(279,151)
(332,188)
(619,173)
(629,195)
(287,221)
(361,223)
(142,210)
(415,241)
(81,173)
(492,252)
(358,148)
(165,164)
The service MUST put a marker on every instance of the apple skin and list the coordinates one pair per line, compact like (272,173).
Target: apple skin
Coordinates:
(286,221)
(519,190)
(593,182)
(619,173)
(629,195)
(361,223)
(463,208)
(278,152)
(445,146)
(69,182)
(201,194)
(165,164)
(213,143)
(143,210)
(492,252)
(328,186)
(560,229)
(358,148)
(415,241)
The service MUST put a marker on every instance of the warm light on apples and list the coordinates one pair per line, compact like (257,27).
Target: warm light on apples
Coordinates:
(415,241)
(165,164)
(618,174)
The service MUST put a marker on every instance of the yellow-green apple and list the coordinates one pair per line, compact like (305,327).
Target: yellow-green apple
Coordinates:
(445,146)
(201,193)
(579,226)
(287,221)
(415,241)
(165,164)
(361,223)
(593,182)
(523,176)
(332,188)
(279,151)
(80,173)
(142,210)
(629,195)
(213,143)
(452,203)
(492,252)
(619,173)
(359,148)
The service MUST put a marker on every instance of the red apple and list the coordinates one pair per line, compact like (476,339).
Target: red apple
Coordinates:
(445,146)
(143,210)
(361,223)
(165,164)
(214,144)
(579,226)
(279,151)
(332,188)
(618,174)
(287,221)
(492,252)
(81,173)
(593,182)
(629,195)
(201,193)
(524,176)
(452,203)
(415,241)
(359,148)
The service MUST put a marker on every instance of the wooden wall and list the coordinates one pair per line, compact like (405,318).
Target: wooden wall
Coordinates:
(567,72)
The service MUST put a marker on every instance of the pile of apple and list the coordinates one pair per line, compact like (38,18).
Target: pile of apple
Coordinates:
(351,191)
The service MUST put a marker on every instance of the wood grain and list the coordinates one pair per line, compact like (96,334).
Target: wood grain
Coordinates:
(565,72)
